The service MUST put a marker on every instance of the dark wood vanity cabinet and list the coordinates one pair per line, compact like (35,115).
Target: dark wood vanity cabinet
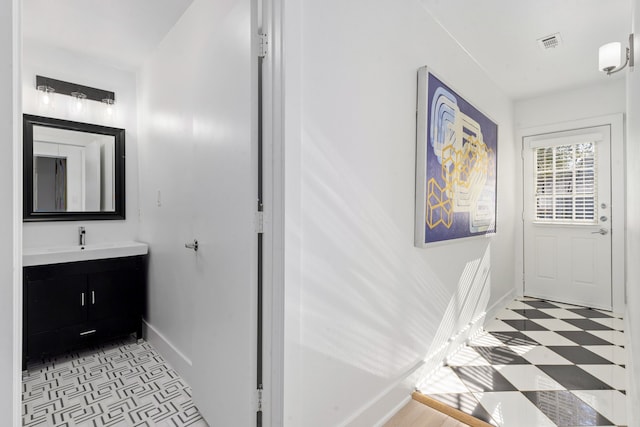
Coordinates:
(70,305)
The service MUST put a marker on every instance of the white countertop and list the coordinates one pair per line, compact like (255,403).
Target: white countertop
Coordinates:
(60,254)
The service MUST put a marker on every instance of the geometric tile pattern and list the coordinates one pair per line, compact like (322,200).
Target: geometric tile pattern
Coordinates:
(539,363)
(123,383)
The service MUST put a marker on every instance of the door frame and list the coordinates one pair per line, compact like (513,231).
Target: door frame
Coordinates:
(270,23)
(618,200)
(14,264)
(273,122)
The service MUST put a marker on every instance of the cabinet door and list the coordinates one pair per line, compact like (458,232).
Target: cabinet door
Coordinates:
(55,303)
(114,294)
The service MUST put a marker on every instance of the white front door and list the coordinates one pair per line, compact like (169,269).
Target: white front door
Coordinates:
(567,216)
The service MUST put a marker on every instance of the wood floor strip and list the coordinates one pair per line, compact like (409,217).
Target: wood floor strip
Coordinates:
(448,410)
(416,414)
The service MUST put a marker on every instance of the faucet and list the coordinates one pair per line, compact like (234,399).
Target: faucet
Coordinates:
(82,234)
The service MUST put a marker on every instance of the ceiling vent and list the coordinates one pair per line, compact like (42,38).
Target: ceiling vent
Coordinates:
(550,42)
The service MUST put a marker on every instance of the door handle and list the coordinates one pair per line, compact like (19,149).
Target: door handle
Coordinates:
(82,299)
(602,231)
(193,245)
(93,297)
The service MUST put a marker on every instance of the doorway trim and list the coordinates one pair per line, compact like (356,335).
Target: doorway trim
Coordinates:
(16,339)
(270,24)
(618,232)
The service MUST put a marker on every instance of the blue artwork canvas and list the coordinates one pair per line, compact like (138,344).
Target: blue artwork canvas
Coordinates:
(456,165)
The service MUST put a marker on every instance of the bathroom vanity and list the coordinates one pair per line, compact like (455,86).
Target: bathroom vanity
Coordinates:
(80,295)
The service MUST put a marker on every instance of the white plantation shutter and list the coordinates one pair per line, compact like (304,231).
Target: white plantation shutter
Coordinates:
(565,183)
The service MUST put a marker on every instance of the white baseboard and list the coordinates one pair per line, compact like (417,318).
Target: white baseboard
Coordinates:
(387,403)
(172,354)
(458,340)
(633,388)
(501,303)
(392,399)
(393,411)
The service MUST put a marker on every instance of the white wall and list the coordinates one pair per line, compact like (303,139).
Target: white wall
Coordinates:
(633,229)
(607,97)
(364,307)
(49,61)
(166,202)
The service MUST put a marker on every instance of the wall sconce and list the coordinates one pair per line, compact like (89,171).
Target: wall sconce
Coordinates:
(47,86)
(609,57)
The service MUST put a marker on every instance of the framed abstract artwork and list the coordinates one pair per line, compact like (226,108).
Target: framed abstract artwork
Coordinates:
(456,165)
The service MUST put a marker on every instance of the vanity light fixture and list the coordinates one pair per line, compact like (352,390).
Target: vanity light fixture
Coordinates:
(79,93)
(609,57)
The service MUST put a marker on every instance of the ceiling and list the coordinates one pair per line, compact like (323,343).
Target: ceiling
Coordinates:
(120,32)
(501,35)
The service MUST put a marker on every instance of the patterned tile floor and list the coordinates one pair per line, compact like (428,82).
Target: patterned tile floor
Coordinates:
(538,364)
(124,383)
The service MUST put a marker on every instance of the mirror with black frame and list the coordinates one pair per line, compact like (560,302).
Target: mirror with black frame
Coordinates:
(72,170)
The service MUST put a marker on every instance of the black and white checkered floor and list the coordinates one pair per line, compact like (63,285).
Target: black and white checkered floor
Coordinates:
(120,384)
(540,364)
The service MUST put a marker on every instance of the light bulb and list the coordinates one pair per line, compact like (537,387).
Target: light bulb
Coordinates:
(78,101)
(109,107)
(45,93)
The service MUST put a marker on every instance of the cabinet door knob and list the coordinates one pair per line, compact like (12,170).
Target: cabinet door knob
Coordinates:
(93,297)
(82,299)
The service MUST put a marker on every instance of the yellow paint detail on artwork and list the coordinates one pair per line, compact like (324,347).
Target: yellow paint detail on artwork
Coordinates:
(464,173)
(439,209)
